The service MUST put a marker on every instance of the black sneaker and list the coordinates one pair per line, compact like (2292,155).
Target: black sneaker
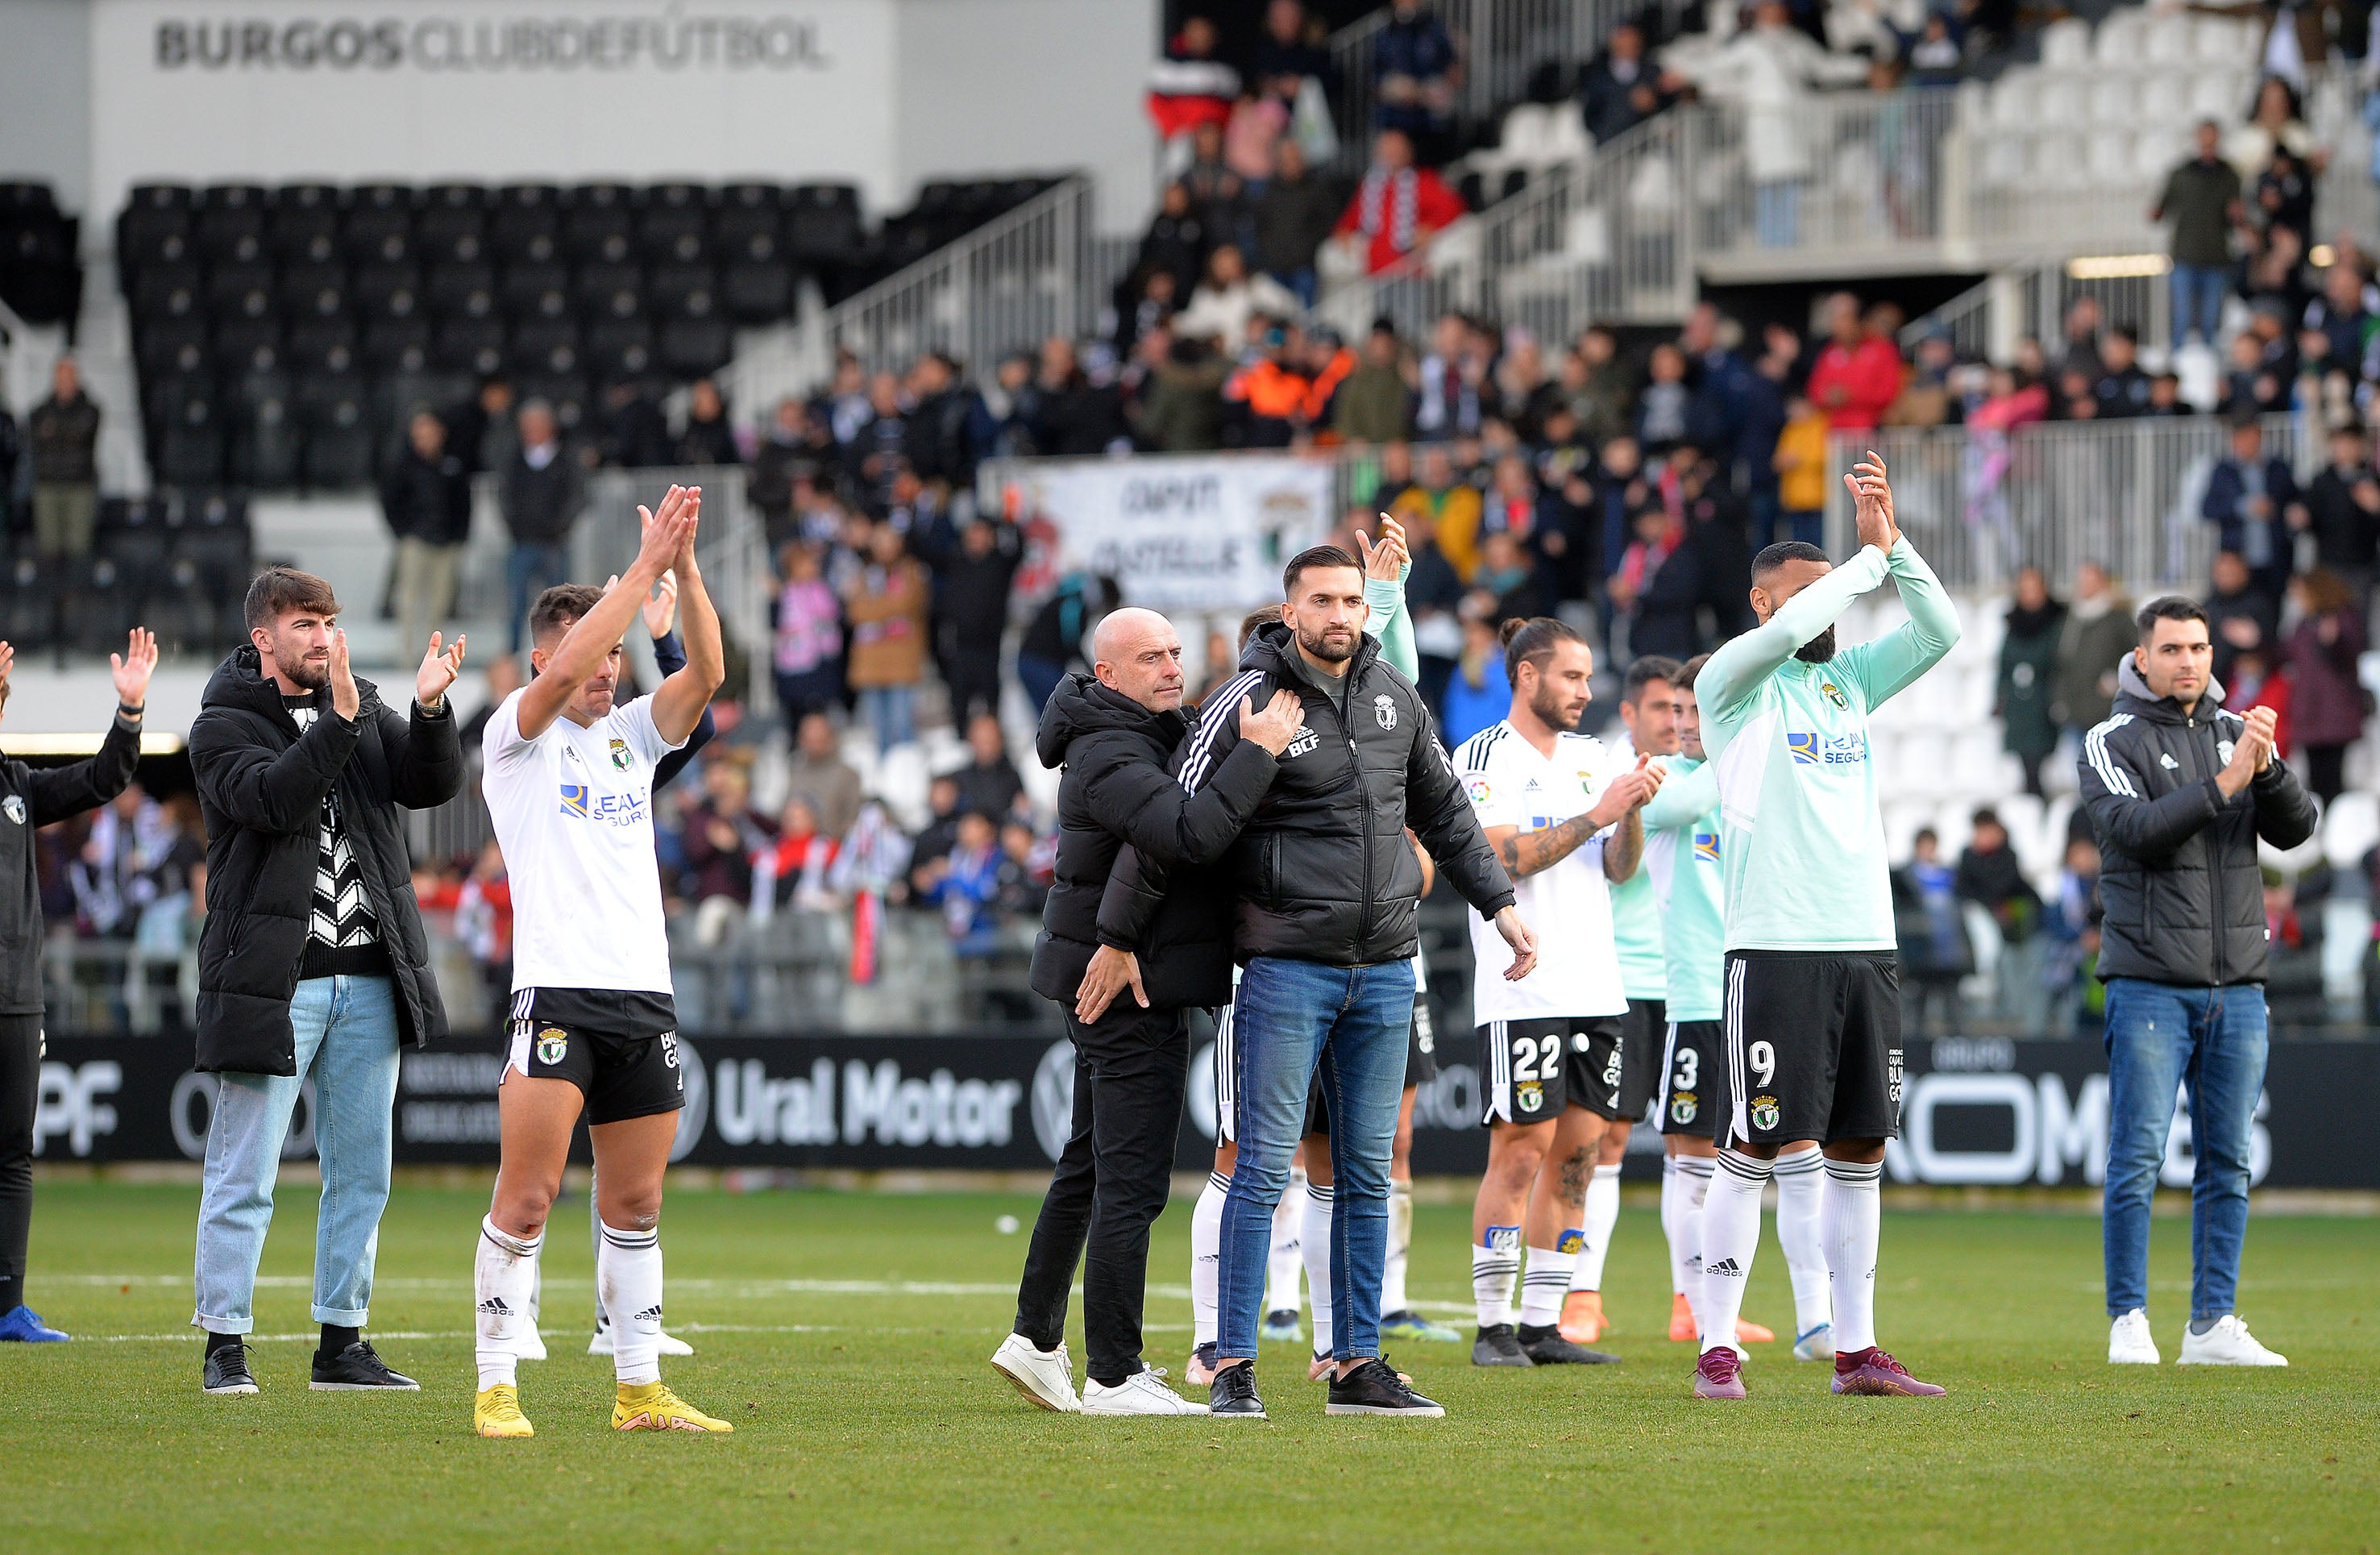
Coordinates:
(1374,1388)
(1545,1346)
(226,1371)
(1499,1345)
(1233,1396)
(357,1369)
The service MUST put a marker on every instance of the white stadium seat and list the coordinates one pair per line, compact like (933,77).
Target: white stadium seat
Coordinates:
(2114,101)
(2166,40)
(2012,100)
(2222,40)
(1566,138)
(2063,100)
(2117,44)
(2066,43)
(1528,134)
(2214,95)
(2164,98)
(2111,156)
(2351,829)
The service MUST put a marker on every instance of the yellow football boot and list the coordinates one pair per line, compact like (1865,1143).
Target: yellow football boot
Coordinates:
(651,1406)
(496,1412)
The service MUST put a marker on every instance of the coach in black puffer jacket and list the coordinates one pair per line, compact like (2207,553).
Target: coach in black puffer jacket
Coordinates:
(1114,732)
(2178,873)
(260,788)
(1323,873)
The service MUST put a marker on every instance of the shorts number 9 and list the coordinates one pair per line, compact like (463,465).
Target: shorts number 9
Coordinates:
(1763,1060)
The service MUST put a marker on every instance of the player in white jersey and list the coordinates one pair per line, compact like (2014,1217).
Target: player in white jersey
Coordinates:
(1683,846)
(568,783)
(1563,813)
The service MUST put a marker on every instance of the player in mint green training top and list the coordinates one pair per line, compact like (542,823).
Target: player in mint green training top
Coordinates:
(1811,1020)
(1683,850)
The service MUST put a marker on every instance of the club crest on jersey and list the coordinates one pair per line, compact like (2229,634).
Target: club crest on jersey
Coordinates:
(622,757)
(14,806)
(1683,1105)
(553,1045)
(1707,846)
(1764,1113)
(1529,1095)
(1835,695)
(573,800)
(1384,710)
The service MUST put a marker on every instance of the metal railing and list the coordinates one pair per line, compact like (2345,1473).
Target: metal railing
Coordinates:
(1607,240)
(2123,493)
(1010,283)
(1869,173)
(1986,321)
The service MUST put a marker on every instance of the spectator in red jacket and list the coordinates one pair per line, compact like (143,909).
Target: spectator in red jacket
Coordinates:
(1190,87)
(1397,207)
(1858,372)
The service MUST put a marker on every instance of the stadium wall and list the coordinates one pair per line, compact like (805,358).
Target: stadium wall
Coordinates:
(883,93)
(45,96)
(1975,1112)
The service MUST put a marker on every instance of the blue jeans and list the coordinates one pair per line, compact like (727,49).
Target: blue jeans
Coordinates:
(1777,212)
(1354,1022)
(1040,678)
(2159,1039)
(890,712)
(2198,299)
(346,1039)
(530,570)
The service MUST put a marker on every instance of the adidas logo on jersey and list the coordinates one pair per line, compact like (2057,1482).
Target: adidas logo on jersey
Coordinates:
(1728,1267)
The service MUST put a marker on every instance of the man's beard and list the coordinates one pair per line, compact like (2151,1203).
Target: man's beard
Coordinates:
(1818,650)
(311,674)
(1316,646)
(1549,711)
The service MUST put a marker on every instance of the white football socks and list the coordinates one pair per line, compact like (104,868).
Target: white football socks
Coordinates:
(1731,1235)
(628,1273)
(1685,1183)
(1281,1266)
(1800,1185)
(1392,1272)
(1493,1265)
(1602,1215)
(1851,1218)
(1544,1285)
(502,1275)
(1207,1258)
(1314,1244)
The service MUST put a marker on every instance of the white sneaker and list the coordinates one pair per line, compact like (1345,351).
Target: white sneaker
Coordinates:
(529,1344)
(1819,1345)
(600,1345)
(1144,1393)
(2229,1342)
(1046,1377)
(2130,1342)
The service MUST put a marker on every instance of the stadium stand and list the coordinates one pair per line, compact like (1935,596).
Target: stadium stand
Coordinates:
(282,332)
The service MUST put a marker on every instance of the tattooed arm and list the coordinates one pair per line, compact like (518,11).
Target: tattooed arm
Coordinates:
(1528,853)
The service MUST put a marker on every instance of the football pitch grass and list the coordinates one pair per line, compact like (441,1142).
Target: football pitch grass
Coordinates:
(847,1335)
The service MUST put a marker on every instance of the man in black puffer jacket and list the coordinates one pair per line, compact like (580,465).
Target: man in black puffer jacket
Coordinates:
(312,960)
(1327,892)
(31,798)
(1113,731)
(2178,792)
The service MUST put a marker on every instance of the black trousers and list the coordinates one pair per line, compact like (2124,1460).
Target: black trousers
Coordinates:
(1111,1184)
(21,1089)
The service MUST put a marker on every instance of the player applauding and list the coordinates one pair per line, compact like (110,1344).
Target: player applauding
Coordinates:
(569,782)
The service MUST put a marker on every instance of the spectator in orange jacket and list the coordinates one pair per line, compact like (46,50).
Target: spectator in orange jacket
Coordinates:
(1397,207)
(1264,402)
(1858,373)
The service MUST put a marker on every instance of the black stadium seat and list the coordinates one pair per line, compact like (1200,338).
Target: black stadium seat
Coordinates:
(684,291)
(693,348)
(338,440)
(602,287)
(747,211)
(620,347)
(230,216)
(468,290)
(464,343)
(822,223)
(388,291)
(375,214)
(193,451)
(527,284)
(397,344)
(313,291)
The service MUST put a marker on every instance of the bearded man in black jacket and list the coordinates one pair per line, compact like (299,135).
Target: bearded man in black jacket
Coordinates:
(30,798)
(1113,732)
(313,960)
